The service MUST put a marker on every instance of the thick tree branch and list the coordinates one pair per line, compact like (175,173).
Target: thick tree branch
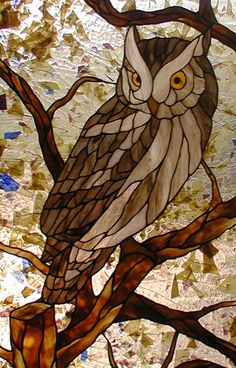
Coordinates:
(200,20)
(73,341)
(69,352)
(138,306)
(131,270)
(85,301)
(205,228)
(43,118)
(47,142)
(206,12)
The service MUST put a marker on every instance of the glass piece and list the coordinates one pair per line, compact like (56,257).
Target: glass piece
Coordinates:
(8,184)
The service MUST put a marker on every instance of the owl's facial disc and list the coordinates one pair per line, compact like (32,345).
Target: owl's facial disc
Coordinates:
(165,90)
(171,72)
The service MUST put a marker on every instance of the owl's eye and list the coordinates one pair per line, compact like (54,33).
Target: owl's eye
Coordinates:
(178,80)
(136,79)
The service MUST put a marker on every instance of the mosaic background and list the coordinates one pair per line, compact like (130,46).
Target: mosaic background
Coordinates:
(55,43)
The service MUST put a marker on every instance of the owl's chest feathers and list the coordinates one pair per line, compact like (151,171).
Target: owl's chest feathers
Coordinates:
(117,146)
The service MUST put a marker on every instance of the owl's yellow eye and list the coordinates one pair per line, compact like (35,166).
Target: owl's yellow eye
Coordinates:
(178,80)
(136,79)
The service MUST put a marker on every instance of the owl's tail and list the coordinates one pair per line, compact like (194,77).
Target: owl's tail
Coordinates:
(70,270)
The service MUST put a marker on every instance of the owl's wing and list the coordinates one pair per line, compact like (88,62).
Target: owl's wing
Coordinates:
(173,156)
(110,145)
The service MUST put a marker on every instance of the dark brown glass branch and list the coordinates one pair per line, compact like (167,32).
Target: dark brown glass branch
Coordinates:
(198,363)
(43,124)
(131,270)
(43,118)
(138,306)
(200,20)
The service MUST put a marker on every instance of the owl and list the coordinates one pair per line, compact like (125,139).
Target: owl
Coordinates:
(132,158)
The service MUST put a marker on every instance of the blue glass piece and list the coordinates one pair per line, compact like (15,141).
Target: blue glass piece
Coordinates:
(25,264)
(84,355)
(234,141)
(50,91)
(19,276)
(7,183)
(12,135)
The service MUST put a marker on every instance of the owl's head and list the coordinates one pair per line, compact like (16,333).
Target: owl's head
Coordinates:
(166,76)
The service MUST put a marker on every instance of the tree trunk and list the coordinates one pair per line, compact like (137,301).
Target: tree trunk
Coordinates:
(33,336)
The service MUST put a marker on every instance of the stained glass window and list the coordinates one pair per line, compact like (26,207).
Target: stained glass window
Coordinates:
(117,183)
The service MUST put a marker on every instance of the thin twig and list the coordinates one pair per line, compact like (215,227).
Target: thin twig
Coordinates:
(43,118)
(216,196)
(171,352)
(26,255)
(110,353)
(64,100)
(211,308)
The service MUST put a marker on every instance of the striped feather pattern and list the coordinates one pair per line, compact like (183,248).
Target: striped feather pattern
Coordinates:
(130,161)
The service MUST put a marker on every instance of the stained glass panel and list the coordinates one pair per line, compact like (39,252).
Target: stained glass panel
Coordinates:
(46,46)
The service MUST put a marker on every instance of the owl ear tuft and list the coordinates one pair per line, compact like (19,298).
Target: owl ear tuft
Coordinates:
(206,42)
(131,40)
(203,44)
(132,52)
(136,34)
(135,59)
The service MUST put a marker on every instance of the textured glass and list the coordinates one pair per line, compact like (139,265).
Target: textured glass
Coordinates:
(51,44)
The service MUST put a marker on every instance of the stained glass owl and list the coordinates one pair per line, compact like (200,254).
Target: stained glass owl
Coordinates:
(131,159)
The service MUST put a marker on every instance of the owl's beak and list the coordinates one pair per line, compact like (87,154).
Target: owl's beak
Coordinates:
(153,106)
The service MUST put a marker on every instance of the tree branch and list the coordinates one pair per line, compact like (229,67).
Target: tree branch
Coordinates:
(43,125)
(70,94)
(205,228)
(201,20)
(216,196)
(205,11)
(69,352)
(211,308)
(119,289)
(26,255)
(110,354)
(138,306)
(43,118)
(199,363)
(170,355)
(6,354)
